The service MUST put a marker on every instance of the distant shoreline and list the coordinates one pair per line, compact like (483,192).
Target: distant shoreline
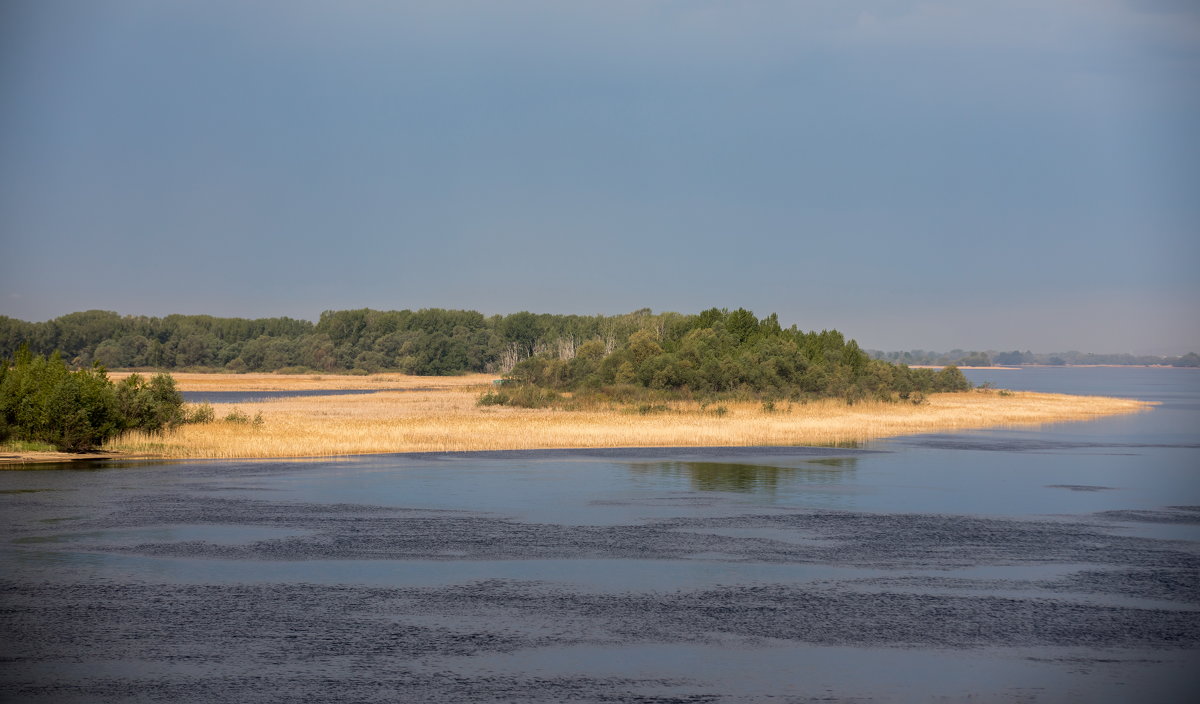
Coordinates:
(1053,366)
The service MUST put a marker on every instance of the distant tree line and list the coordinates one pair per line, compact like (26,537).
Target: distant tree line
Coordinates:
(43,401)
(428,342)
(964,358)
(716,351)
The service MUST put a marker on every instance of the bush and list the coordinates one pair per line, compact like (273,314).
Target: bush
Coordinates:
(152,406)
(199,413)
(525,396)
(41,400)
(237,415)
(492,398)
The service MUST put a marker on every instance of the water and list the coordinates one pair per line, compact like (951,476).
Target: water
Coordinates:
(1059,563)
(256,396)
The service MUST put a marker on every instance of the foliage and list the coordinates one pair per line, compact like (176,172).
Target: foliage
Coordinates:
(720,353)
(239,417)
(199,413)
(153,405)
(42,400)
(525,396)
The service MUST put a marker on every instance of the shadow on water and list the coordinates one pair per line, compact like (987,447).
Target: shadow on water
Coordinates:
(750,478)
(90,465)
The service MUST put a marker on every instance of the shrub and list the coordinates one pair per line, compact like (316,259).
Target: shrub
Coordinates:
(199,413)
(237,415)
(152,406)
(41,400)
(525,396)
(492,398)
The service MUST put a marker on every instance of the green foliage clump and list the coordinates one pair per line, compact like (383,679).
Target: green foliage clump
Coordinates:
(521,396)
(240,417)
(42,400)
(721,353)
(153,405)
(199,413)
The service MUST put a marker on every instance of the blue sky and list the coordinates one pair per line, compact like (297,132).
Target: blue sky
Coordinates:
(1003,174)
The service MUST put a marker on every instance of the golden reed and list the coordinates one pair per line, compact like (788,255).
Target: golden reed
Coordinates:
(439,414)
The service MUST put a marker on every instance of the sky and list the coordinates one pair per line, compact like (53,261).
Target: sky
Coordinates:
(1000,174)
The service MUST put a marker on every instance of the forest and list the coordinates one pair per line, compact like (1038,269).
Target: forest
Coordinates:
(427,342)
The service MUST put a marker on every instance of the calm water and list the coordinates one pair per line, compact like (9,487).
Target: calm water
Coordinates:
(255,396)
(939,564)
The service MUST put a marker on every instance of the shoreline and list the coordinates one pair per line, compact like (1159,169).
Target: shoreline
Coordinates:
(408,416)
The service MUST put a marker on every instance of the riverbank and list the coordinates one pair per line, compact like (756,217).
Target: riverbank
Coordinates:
(440,414)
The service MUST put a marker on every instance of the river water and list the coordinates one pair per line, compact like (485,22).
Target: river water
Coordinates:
(1059,563)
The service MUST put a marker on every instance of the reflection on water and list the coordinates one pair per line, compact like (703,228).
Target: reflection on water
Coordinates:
(750,478)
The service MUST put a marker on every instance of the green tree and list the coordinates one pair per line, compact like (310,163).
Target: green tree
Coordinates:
(41,399)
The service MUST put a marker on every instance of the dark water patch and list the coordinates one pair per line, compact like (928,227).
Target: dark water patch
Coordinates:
(934,541)
(327,686)
(331,532)
(220,533)
(1168,584)
(282,628)
(1171,514)
(1080,487)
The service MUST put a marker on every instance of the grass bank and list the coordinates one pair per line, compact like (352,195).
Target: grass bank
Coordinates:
(439,414)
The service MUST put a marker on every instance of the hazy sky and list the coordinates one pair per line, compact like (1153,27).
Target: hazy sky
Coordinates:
(949,173)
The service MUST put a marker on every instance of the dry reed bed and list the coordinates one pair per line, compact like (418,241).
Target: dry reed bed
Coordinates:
(448,419)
